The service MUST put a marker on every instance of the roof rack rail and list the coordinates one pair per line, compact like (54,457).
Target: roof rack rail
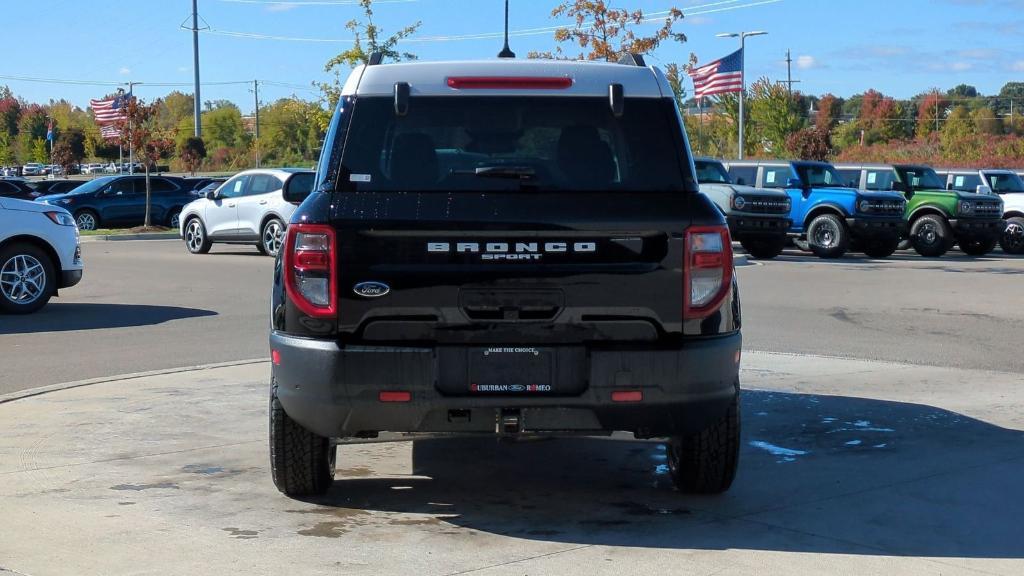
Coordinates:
(630,59)
(375,59)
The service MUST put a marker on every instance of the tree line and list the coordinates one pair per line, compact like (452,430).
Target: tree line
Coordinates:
(958,126)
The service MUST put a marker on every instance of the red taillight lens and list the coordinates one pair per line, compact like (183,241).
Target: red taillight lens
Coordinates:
(310,269)
(509,83)
(707,271)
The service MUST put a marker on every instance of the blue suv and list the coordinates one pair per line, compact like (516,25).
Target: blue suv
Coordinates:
(113,201)
(829,217)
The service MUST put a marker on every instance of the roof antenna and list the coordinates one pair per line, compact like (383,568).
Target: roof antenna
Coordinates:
(506,52)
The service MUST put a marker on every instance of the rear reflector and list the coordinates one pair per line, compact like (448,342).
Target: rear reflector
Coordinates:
(627,396)
(395,396)
(508,83)
(275,357)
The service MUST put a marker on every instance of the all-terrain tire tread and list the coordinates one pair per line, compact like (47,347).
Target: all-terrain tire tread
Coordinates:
(299,459)
(707,460)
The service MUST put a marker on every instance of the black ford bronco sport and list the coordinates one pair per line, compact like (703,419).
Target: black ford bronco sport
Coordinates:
(511,248)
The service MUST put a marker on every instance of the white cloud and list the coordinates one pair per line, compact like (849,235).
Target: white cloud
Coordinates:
(281,7)
(961,66)
(806,62)
(124,71)
(1017,66)
(698,20)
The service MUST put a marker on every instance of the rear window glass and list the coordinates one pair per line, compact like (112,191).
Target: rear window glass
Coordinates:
(500,143)
(711,172)
(777,176)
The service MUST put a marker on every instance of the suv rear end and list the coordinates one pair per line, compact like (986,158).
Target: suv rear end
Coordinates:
(505,247)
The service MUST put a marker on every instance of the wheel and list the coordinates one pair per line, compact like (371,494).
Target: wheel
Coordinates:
(764,248)
(27,279)
(705,462)
(174,220)
(979,247)
(301,462)
(931,235)
(1013,238)
(272,237)
(881,248)
(195,237)
(87,220)
(828,237)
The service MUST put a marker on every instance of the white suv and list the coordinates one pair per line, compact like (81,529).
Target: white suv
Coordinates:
(39,254)
(247,209)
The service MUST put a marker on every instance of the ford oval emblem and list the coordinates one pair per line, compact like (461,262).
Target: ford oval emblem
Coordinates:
(371,289)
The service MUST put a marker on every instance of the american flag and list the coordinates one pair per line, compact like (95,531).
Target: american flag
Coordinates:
(719,77)
(109,110)
(110,132)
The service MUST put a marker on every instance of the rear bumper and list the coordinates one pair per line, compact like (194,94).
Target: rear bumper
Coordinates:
(334,391)
(69,278)
(746,226)
(877,226)
(977,228)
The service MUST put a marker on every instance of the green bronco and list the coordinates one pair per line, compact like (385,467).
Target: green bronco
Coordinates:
(938,218)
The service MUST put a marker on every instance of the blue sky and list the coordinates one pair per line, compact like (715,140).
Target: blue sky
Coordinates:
(901,47)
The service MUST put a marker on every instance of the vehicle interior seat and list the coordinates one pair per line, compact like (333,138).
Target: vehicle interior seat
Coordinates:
(584,158)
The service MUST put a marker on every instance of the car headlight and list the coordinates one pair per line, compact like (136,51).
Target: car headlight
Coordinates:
(61,218)
(865,206)
(738,202)
(66,201)
(966,207)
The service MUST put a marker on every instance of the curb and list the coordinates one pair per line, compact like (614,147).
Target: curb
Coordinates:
(22,394)
(126,237)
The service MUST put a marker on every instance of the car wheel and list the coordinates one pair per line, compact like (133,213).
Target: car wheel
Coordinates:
(706,462)
(828,237)
(931,235)
(87,220)
(764,248)
(1013,238)
(27,279)
(195,237)
(174,220)
(979,247)
(882,248)
(301,463)
(272,237)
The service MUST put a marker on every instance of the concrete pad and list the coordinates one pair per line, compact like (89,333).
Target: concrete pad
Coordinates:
(848,467)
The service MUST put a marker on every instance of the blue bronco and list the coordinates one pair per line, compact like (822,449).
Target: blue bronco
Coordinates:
(829,217)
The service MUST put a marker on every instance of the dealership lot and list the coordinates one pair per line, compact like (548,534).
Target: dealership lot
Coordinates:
(903,460)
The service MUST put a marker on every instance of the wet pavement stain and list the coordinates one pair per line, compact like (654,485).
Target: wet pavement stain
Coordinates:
(355,472)
(416,522)
(202,469)
(638,509)
(239,534)
(139,487)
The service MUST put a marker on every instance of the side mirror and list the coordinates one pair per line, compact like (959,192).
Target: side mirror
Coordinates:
(298,187)
(211,195)
(982,189)
(949,185)
(897,187)
(741,181)
(794,183)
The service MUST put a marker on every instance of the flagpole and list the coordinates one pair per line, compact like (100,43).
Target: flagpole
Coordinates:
(743,79)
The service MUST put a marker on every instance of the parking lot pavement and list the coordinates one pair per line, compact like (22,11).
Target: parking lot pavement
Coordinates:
(848,467)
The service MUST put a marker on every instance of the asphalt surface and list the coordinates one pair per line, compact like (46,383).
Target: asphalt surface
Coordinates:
(151,305)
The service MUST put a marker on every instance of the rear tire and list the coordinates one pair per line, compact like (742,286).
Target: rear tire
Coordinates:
(1012,240)
(301,462)
(931,235)
(764,248)
(828,237)
(979,247)
(27,279)
(706,462)
(881,248)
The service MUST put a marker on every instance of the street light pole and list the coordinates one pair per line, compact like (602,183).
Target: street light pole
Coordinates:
(743,75)
(196,109)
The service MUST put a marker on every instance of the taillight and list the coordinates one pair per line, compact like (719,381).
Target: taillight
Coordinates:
(707,272)
(310,269)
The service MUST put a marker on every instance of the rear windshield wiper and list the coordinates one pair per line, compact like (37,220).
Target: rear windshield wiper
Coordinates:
(509,172)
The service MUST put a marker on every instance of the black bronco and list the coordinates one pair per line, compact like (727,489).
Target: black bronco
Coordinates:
(510,248)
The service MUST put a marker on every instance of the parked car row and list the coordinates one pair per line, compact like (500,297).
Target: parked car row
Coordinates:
(875,209)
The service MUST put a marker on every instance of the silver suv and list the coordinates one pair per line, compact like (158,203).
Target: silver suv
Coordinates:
(247,209)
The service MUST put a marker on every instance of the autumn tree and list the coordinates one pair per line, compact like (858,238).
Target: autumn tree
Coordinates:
(191,152)
(139,129)
(606,33)
(64,157)
(986,121)
(773,114)
(810,144)
(930,111)
(829,111)
(368,39)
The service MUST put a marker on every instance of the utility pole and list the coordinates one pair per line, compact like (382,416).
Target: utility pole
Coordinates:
(256,92)
(743,37)
(195,66)
(936,112)
(789,74)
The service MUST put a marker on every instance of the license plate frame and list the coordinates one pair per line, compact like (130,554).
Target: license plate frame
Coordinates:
(505,370)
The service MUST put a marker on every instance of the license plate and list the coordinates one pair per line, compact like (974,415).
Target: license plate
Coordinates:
(510,370)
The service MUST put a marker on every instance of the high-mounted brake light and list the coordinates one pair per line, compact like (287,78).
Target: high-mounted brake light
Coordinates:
(509,83)
(310,269)
(707,271)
